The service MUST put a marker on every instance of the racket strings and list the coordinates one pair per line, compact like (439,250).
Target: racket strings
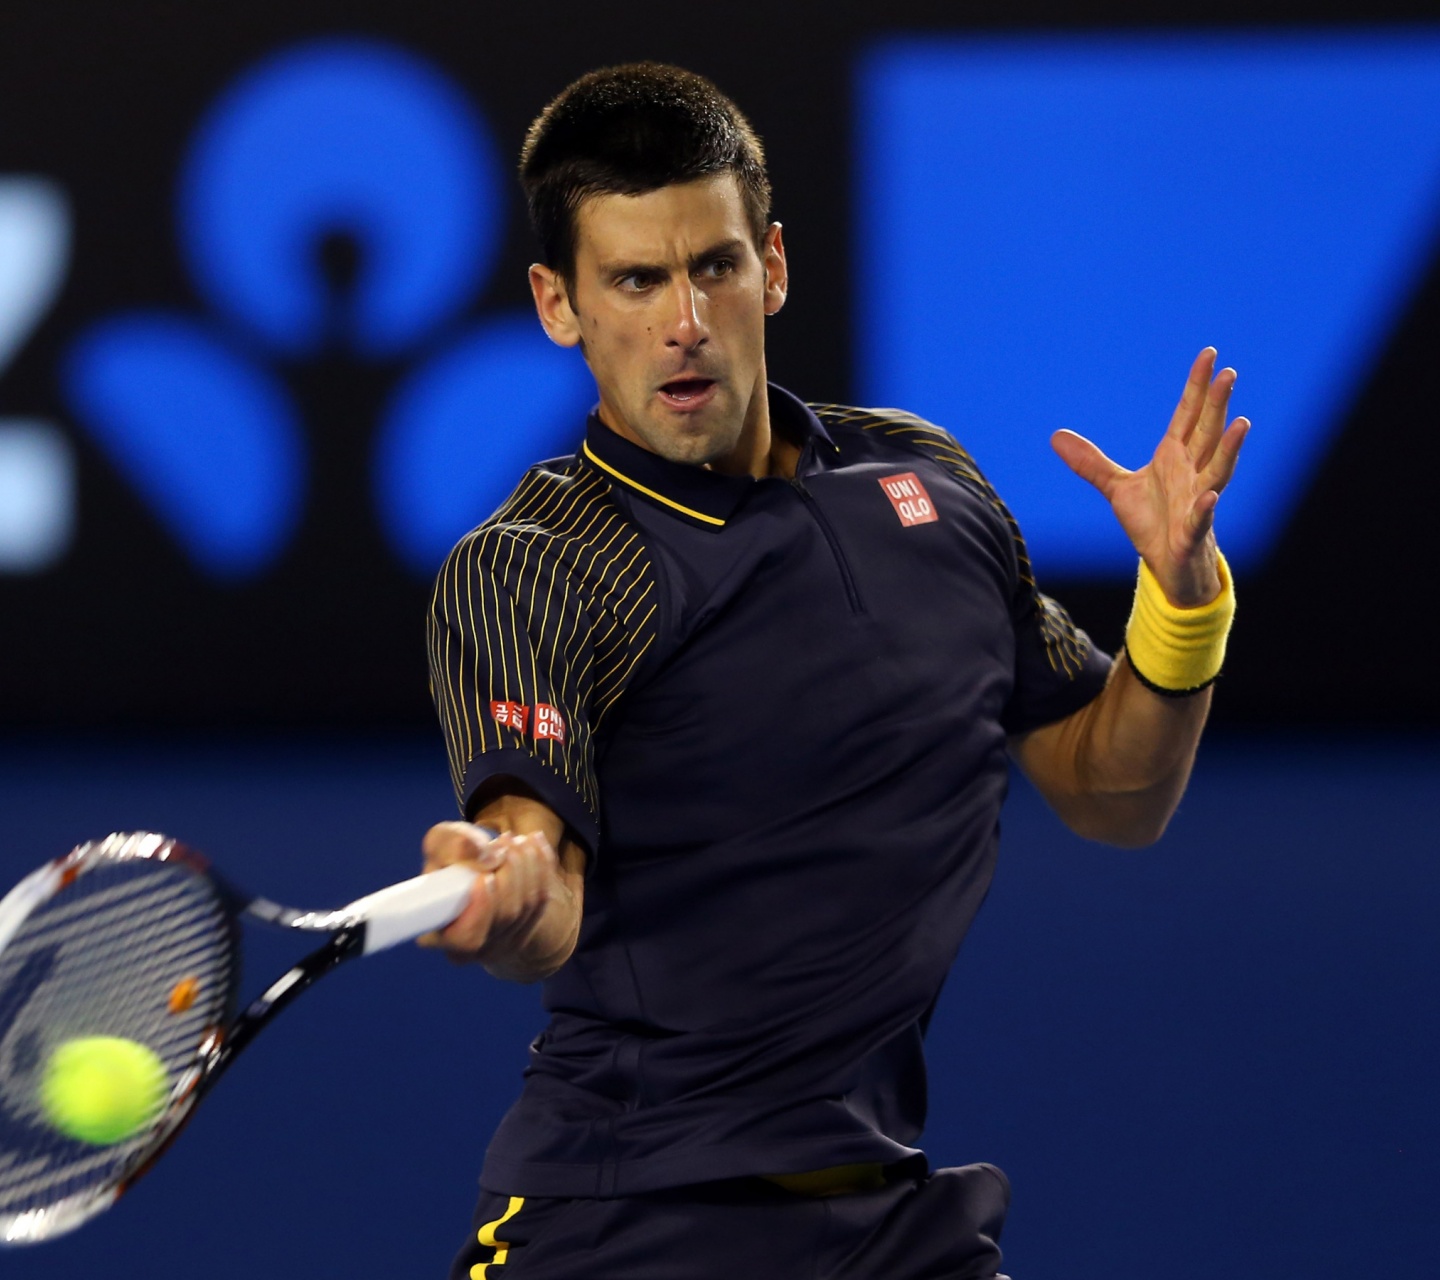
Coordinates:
(90,998)
(139,949)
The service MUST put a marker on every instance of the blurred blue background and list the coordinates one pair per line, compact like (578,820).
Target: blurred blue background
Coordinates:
(1099,199)
(266,348)
(1214,1055)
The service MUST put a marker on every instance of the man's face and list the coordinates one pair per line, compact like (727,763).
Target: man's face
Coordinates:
(669,301)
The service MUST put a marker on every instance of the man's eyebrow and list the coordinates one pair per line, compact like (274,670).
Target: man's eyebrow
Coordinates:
(619,269)
(727,250)
(615,270)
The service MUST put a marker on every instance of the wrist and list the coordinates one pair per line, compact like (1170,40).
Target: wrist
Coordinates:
(1195,582)
(1175,650)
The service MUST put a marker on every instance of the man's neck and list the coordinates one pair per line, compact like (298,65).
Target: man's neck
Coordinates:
(760,451)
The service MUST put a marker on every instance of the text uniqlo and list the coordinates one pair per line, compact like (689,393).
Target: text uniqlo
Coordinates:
(907,495)
(549,723)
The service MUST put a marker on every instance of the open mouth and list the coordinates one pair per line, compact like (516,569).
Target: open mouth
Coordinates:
(684,393)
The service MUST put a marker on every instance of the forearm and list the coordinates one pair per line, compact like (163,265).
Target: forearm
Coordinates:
(1115,771)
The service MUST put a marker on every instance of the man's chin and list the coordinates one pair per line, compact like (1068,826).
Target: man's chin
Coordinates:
(692,438)
(693,452)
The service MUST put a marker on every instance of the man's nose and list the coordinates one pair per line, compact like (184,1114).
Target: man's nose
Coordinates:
(687,326)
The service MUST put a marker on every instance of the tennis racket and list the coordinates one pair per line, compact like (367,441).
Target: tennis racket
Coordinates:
(135,936)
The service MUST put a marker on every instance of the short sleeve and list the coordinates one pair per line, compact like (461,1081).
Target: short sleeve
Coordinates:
(1058,669)
(533,631)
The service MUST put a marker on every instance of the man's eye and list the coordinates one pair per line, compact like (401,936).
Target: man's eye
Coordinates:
(636,282)
(719,267)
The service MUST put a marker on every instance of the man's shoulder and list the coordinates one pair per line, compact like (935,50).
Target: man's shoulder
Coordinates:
(896,432)
(849,417)
(561,510)
(553,498)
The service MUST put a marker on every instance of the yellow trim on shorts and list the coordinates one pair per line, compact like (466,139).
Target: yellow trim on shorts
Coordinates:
(838,1180)
(487,1238)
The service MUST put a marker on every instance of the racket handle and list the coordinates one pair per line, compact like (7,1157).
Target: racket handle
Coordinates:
(412,907)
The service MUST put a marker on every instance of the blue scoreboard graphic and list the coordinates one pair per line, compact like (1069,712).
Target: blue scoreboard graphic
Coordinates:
(350,137)
(1048,229)
(37,474)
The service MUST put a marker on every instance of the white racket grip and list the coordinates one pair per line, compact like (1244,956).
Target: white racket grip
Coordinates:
(412,907)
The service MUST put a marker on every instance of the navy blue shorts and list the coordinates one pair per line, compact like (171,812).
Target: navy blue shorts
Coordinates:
(943,1225)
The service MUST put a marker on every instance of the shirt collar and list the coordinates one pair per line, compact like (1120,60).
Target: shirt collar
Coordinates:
(707,497)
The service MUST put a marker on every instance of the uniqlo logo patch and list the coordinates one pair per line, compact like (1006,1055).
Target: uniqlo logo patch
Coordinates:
(549,723)
(907,495)
(514,715)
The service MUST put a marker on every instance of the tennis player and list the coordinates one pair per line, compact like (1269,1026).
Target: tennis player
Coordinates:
(737,684)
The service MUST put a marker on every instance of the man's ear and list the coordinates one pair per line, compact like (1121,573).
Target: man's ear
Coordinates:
(777,274)
(552,305)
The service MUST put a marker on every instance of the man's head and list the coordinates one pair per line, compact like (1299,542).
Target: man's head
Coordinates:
(627,131)
(647,190)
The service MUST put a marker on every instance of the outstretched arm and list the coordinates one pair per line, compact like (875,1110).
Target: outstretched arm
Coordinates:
(1115,770)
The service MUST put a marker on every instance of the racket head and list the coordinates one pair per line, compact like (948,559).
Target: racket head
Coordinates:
(130,936)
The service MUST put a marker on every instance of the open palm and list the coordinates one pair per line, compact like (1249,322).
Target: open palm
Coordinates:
(1167,507)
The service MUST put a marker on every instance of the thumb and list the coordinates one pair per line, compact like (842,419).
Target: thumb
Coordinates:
(1086,460)
(450,842)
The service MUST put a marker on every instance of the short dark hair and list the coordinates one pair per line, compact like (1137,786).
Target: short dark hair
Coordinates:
(629,130)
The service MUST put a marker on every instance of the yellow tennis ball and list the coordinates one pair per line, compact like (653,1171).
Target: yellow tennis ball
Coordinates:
(102,1089)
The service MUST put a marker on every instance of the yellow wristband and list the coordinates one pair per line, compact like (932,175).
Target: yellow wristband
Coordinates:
(1178,651)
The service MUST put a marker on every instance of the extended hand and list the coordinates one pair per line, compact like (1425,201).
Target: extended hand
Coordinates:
(507,908)
(1167,507)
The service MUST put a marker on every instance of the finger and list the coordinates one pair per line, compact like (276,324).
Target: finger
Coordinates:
(521,889)
(1211,425)
(1222,465)
(529,875)
(544,866)
(511,883)
(522,907)
(441,845)
(470,929)
(1087,461)
(450,842)
(1192,398)
(530,879)
(1202,517)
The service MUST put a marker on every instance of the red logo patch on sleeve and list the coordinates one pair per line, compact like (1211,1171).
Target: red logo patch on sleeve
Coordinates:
(907,495)
(513,715)
(549,723)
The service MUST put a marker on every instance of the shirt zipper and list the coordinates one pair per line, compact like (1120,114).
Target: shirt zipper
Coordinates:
(852,593)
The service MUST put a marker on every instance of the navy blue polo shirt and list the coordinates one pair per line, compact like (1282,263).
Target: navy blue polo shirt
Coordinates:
(774,711)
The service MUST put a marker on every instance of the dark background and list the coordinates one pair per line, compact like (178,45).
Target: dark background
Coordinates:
(124,633)
(1213,1057)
